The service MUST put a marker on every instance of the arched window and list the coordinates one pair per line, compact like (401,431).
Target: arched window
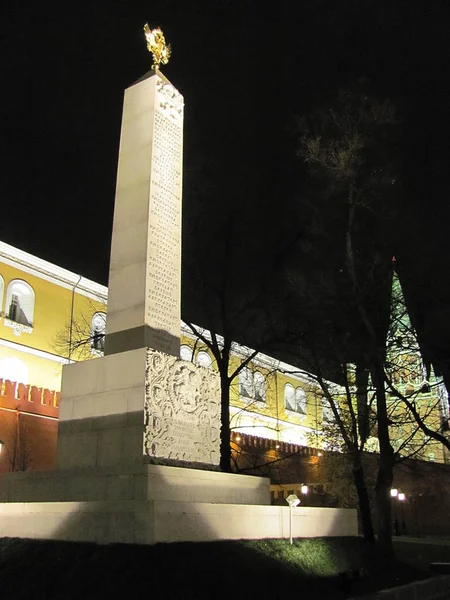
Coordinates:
(252,385)
(2,289)
(300,400)
(327,412)
(289,397)
(204,360)
(19,306)
(295,399)
(259,386)
(98,330)
(186,353)
(246,383)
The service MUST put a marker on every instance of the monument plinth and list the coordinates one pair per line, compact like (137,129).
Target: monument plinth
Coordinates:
(145,268)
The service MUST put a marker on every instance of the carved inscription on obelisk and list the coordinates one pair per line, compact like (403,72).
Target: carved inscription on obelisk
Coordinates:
(164,251)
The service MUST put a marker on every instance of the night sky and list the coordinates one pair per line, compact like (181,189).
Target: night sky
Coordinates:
(245,72)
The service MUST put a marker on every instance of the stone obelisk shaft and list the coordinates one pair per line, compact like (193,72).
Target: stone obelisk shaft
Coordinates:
(145,267)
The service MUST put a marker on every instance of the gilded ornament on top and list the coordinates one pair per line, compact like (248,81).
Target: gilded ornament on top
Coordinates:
(156,44)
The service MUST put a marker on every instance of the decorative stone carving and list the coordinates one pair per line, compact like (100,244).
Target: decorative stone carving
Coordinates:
(18,328)
(182,412)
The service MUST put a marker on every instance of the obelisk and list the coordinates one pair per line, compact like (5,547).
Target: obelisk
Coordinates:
(140,403)
(145,267)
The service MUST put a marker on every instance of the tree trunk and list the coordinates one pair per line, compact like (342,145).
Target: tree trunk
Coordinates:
(225,447)
(363,500)
(386,466)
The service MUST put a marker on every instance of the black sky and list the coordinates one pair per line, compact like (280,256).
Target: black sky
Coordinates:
(245,70)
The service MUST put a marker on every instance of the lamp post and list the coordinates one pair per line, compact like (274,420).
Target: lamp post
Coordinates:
(394,495)
(292,500)
(401,498)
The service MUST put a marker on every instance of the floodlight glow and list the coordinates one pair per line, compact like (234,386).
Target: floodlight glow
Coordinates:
(238,438)
(304,489)
(394,493)
(319,454)
(293,500)
(401,497)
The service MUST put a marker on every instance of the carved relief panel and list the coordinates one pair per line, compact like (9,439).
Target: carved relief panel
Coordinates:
(182,412)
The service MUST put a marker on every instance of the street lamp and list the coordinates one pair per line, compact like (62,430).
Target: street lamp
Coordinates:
(402,498)
(292,500)
(394,496)
(304,489)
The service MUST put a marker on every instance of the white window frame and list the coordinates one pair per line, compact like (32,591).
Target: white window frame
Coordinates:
(99,315)
(246,383)
(255,391)
(183,349)
(27,300)
(207,359)
(327,410)
(295,404)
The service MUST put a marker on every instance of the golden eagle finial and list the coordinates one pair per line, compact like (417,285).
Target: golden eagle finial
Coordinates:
(156,44)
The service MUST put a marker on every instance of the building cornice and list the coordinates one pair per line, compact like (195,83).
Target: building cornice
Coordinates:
(52,273)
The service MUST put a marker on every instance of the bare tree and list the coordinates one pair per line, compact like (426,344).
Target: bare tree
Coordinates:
(83,336)
(351,144)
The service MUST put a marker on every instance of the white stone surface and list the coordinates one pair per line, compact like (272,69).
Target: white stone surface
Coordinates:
(133,482)
(102,411)
(145,269)
(182,411)
(109,373)
(115,410)
(149,522)
(196,485)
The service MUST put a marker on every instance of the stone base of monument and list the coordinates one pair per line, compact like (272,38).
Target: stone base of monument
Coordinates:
(118,414)
(140,522)
(139,406)
(143,484)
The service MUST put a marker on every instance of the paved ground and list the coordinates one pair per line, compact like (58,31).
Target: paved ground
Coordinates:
(430,539)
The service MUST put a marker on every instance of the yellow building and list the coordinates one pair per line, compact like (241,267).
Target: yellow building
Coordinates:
(41,305)
(50,316)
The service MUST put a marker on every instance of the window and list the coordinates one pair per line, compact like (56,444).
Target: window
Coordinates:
(98,330)
(327,412)
(2,287)
(204,360)
(300,400)
(186,353)
(252,385)
(19,306)
(246,383)
(295,399)
(259,387)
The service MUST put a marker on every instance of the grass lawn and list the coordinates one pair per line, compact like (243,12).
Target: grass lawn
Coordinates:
(311,568)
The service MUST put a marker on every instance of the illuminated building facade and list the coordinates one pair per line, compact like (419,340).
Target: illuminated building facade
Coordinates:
(50,316)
